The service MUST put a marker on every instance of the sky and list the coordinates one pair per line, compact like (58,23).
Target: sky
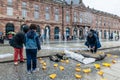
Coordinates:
(110,6)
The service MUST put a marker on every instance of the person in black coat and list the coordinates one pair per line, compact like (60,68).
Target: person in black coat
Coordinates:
(18,42)
(92,42)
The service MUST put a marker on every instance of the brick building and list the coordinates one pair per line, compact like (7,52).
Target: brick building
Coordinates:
(56,18)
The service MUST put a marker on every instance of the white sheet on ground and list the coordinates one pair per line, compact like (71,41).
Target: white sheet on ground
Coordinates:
(6,55)
(79,57)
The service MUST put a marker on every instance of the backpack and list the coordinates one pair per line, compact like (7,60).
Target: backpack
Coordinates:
(12,42)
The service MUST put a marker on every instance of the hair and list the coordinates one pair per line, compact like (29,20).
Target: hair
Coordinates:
(91,30)
(33,27)
(25,28)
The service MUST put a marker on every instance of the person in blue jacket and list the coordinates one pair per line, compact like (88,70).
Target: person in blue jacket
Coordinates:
(93,42)
(32,44)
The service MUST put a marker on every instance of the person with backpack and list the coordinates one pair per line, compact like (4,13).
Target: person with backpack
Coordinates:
(17,43)
(32,45)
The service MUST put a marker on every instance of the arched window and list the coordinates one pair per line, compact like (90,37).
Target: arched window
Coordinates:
(104,34)
(67,32)
(56,33)
(9,27)
(75,33)
(22,26)
(38,29)
(47,32)
(80,33)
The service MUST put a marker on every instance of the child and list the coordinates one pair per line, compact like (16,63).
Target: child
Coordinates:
(17,43)
(32,45)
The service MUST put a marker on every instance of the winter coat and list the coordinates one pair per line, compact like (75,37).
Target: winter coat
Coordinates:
(32,40)
(19,40)
(93,41)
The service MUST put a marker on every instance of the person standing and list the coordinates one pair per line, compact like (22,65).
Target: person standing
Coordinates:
(17,43)
(32,44)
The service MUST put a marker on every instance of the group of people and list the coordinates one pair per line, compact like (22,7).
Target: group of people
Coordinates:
(92,41)
(30,39)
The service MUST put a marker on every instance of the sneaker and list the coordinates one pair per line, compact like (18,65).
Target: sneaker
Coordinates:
(29,72)
(36,70)
(15,63)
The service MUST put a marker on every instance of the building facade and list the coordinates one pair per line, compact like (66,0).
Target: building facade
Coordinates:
(56,19)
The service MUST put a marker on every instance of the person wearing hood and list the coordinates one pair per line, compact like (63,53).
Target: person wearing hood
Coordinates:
(17,43)
(32,45)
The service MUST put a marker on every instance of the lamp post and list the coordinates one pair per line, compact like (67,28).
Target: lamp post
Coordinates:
(109,32)
(63,18)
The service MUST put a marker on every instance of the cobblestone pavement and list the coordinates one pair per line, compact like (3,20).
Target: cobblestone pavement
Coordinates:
(11,72)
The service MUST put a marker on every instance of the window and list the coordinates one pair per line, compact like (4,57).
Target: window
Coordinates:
(36,7)
(81,20)
(9,11)
(67,17)
(47,14)
(10,2)
(56,15)
(24,9)
(67,32)
(24,5)
(36,15)
(75,17)
(36,12)
(24,13)
(56,33)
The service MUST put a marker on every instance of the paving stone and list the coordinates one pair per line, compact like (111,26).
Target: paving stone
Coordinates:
(11,72)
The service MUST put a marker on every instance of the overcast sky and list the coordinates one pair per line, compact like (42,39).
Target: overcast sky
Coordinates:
(110,6)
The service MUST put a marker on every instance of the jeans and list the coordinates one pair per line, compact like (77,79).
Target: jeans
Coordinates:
(31,55)
(18,51)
